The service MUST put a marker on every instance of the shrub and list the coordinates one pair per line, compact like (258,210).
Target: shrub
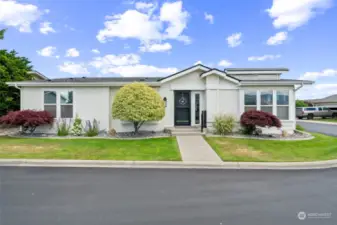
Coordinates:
(92,129)
(138,103)
(63,128)
(112,132)
(224,124)
(77,129)
(299,127)
(29,120)
(251,119)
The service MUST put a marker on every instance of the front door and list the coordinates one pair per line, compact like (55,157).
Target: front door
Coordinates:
(182,109)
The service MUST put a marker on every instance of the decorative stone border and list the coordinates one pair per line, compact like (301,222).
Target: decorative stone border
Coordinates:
(308,136)
(83,137)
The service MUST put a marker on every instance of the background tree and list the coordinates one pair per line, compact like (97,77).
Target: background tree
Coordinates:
(12,68)
(138,103)
(301,103)
(2,33)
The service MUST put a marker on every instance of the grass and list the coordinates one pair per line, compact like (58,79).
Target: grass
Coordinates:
(157,149)
(322,147)
(299,127)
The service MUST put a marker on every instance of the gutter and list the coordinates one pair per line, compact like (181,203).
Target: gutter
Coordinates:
(16,86)
(296,89)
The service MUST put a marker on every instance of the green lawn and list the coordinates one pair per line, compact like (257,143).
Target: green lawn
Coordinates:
(320,148)
(157,149)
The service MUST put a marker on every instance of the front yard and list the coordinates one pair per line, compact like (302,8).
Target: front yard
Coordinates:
(158,149)
(322,147)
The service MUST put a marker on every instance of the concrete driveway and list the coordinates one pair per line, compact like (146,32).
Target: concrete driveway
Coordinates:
(328,129)
(87,196)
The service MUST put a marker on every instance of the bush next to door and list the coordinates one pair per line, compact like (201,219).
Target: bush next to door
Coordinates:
(138,103)
(251,119)
(224,124)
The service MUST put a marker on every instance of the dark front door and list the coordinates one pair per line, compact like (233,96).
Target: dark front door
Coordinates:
(182,109)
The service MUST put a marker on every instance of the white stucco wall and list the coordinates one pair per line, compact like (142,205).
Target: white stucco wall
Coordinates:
(88,102)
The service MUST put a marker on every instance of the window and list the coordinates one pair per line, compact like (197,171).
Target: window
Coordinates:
(310,109)
(66,101)
(50,102)
(59,109)
(283,105)
(197,108)
(250,100)
(267,101)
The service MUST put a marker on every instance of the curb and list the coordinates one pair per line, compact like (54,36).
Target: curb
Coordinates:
(317,122)
(167,164)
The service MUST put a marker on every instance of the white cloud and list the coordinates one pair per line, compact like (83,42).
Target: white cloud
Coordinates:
(316,75)
(155,47)
(72,52)
(198,62)
(73,68)
(263,58)
(95,51)
(234,40)
(209,17)
(278,38)
(128,65)
(225,63)
(146,7)
(316,91)
(48,51)
(18,15)
(169,24)
(295,13)
(141,71)
(46,28)
(176,17)
(109,61)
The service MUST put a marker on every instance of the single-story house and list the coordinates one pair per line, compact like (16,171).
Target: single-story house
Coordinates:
(186,93)
(330,101)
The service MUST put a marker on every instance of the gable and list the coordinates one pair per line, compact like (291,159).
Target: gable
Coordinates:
(189,81)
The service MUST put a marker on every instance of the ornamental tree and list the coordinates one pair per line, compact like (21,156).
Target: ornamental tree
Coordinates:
(138,103)
(249,120)
(29,120)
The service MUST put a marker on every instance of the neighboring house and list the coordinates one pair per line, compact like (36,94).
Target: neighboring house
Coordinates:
(330,101)
(187,93)
(37,75)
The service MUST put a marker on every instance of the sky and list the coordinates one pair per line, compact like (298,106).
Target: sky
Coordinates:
(91,38)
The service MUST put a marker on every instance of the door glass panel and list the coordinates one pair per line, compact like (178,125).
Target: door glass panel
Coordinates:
(197,108)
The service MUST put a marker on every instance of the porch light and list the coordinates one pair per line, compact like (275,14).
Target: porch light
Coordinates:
(165,101)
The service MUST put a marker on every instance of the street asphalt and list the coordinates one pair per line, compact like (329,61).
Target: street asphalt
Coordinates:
(88,196)
(319,128)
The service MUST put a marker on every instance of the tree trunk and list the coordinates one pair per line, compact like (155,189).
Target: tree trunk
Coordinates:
(137,125)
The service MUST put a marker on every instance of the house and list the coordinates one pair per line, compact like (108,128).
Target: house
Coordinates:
(37,75)
(330,101)
(186,93)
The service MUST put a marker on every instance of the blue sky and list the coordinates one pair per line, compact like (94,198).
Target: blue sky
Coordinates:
(156,38)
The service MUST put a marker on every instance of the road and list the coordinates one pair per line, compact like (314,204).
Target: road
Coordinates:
(88,196)
(319,128)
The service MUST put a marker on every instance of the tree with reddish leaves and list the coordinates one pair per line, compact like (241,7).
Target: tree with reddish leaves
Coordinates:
(29,120)
(251,119)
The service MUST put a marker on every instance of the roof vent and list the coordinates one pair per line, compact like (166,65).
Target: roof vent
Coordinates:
(48,79)
(83,77)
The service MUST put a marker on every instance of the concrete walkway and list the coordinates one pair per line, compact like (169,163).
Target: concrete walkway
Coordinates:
(196,149)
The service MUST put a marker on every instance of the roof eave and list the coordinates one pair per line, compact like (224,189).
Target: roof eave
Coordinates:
(74,84)
(277,82)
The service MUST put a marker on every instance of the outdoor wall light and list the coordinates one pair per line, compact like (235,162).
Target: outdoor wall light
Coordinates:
(165,100)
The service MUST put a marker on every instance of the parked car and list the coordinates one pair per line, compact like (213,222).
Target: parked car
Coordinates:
(311,112)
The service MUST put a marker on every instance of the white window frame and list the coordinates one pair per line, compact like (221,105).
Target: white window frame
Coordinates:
(273,100)
(277,105)
(58,101)
(49,104)
(244,100)
(62,104)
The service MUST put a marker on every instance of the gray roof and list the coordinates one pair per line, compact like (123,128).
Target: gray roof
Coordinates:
(331,98)
(280,80)
(101,79)
(281,69)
